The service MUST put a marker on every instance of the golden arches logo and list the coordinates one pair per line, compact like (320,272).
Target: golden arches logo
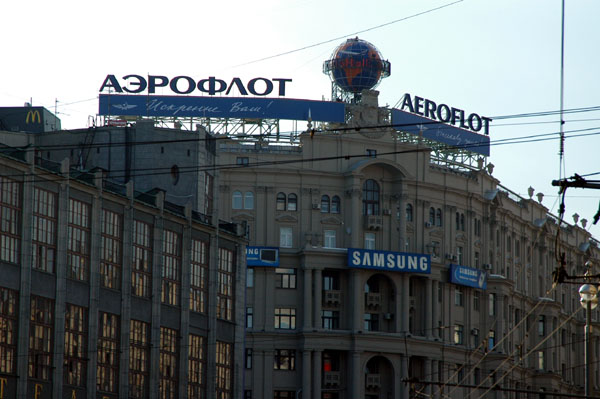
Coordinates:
(33,115)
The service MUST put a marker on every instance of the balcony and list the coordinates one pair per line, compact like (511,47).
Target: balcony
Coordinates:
(332,379)
(372,299)
(332,297)
(373,381)
(373,222)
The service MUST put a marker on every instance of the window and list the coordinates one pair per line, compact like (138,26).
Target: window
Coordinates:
(459,296)
(248,200)
(196,367)
(370,197)
(224,371)
(371,321)
(409,212)
(208,193)
(225,285)
(540,360)
(492,304)
(284,394)
(335,204)
(78,251)
(432,216)
(285,237)
(285,278)
(112,243)
(285,318)
(325,202)
(292,202)
(476,259)
(107,372)
(248,362)
(167,386)
(281,202)
(171,268)
(10,220)
(242,161)
(284,359)
(329,240)
(198,276)
(75,349)
(330,319)
(459,255)
(139,356)
(476,300)
(371,153)
(491,340)
(438,217)
(542,326)
(249,277)
(41,338)
(141,271)
(249,317)
(9,300)
(331,281)
(236,200)
(369,240)
(44,230)
(459,331)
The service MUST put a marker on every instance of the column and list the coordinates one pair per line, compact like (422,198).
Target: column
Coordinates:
(318,295)
(355,378)
(357,301)
(307,308)
(404,387)
(402,223)
(428,377)
(357,241)
(267,374)
(435,309)
(435,378)
(317,374)
(428,308)
(156,307)
(306,392)
(184,323)
(128,218)
(500,324)
(405,302)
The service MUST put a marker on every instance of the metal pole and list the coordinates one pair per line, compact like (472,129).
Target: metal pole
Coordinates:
(588,349)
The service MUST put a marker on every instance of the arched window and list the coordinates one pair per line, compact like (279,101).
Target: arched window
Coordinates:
(248,200)
(371,198)
(292,202)
(335,204)
(457,221)
(462,222)
(325,204)
(281,201)
(438,217)
(236,200)
(432,216)
(409,213)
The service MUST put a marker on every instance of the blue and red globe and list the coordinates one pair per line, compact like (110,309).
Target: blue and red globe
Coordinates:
(356,65)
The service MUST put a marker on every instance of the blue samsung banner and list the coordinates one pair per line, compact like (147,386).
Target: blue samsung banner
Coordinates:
(389,261)
(468,276)
(221,107)
(441,132)
(262,256)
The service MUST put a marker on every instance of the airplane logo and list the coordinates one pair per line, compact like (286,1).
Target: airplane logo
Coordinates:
(124,106)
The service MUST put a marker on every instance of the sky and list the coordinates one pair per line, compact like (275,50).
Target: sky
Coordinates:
(491,57)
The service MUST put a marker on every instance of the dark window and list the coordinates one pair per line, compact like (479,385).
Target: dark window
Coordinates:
(198,276)
(196,367)
(112,243)
(171,268)
(167,386)
(325,204)
(284,359)
(409,212)
(44,230)
(225,285)
(370,197)
(139,355)
(438,217)
(75,357)
(248,362)
(371,322)
(241,161)
(78,251)
(336,205)
(9,300)
(286,278)
(41,336)
(281,202)
(432,216)
(285,318)
(372,153)
(141,273)
(107,375)
(292,202)
(224,371)
(10,220)
(330,319)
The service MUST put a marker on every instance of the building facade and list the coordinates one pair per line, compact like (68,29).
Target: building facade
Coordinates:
(347,311)
(109,292)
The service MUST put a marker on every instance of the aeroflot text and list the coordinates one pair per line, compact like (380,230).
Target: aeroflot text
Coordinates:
(398,261)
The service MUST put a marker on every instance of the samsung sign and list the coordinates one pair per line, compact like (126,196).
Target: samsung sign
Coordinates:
(389,261)
(463,275)
(135,84)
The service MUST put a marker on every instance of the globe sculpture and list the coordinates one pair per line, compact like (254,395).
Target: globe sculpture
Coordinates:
(356,65)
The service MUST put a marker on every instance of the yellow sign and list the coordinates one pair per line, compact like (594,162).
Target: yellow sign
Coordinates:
(33,115)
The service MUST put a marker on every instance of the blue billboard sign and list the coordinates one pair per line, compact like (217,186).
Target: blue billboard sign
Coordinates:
(221,107)
(389,261)
(463,275)
(262,256)
(441,132)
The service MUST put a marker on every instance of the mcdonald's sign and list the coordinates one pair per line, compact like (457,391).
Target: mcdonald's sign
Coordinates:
(32,116)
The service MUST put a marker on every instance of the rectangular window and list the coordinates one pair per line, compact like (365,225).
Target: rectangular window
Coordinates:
(459,255)
(330,319)
(371,321)
(112,243)
(459,296)
(284,394)
(75,356)
(284,359)
(141,271)
(540,360)
(329,239)
(41,338)
(491,340)
(285,318)
(224,370)
(542,326)
(107,375)
(285,278)
(167,387)
(196,367)
(369,240)
(248,362)
(285,237)
(208,193)
(476,300)
(171,268)
(10,220)
(44,230)
(198,276)
(9,301)
(249,317)
(476,258)
(242,161)
(492,304)
(249,277)
(139,356)
(459,332)
(371,153)
(78,250)
(225,285)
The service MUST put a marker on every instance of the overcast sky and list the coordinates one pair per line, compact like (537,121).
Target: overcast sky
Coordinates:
(492,57)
